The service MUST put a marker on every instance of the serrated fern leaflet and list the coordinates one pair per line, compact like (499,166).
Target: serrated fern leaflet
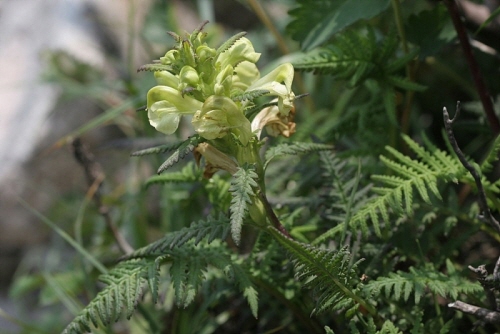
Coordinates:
(242,193)
(396,192)
(327,272)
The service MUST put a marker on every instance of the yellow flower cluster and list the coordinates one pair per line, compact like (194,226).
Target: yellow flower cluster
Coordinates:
(195,79)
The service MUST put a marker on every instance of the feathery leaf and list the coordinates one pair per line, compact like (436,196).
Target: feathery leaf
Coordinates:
(242,192)
(293,149)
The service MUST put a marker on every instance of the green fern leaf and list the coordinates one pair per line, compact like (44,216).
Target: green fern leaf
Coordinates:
(243,280)
(389,328)
(293,149)
(487,164)
(315,22)
(213,228)
(167,148)
(180,152)
(188,174)
(327,272)
(125,286)
(401,284)
(400,62)
(242,192)
(404,83)
(397,191)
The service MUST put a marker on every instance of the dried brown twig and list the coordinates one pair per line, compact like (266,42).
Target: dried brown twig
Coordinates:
(488,315)
(95,177)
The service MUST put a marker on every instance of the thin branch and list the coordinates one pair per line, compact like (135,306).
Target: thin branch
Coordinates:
(95,177)
(483,205)
(483,275)
(473,66)
(482,313)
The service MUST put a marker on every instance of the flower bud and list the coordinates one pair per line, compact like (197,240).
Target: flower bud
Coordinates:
(189,77)
(165,78)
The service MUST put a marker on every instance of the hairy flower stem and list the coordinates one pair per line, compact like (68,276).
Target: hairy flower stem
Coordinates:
(473,67)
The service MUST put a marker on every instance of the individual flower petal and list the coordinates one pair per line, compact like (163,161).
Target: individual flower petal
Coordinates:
(279,83)
(223,81)
(240,51)
(189,76)
(274,121)
(165,78)
(244,75)
(218,116)
(165,106)
(163,119)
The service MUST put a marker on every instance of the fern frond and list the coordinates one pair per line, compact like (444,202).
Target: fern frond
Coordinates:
(242,192)
(126,283)
(180,152)
(327,272)
(401,285)
(293,149)
(242,278)
(487,164)
(343,197)
(163,148)
(356,57)
(396,194)
(404,83)
(188,173)
(212,228)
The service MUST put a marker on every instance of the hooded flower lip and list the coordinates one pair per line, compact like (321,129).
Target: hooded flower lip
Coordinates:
(165,107)
(218,116)
(279,83)
(275,122)
(241,50)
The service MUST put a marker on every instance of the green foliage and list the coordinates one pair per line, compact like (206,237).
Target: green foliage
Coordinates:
(188,173)
(358,57)
(213,228)
(180,152)
(400,285)
(293,149)
(242,191)
(396,194)
(317,21)
(126,283)
(330,274)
